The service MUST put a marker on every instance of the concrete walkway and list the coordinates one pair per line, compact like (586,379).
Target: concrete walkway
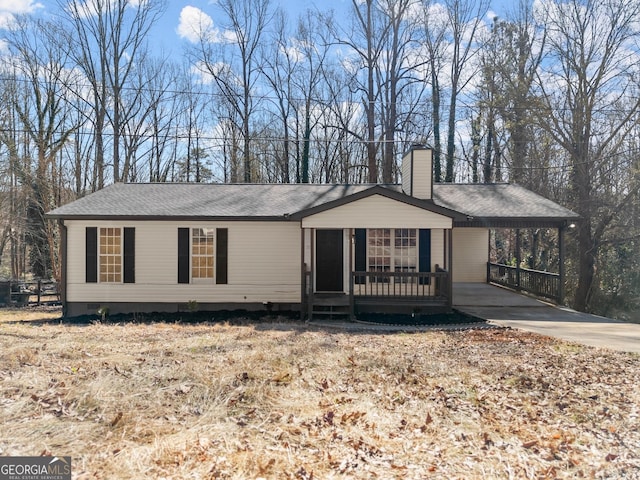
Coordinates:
(504,307)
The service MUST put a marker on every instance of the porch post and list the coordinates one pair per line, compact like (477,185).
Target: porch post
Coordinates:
(450,269)
(312,258)
(561,270)
(351,269)
(303,276)
(518,257)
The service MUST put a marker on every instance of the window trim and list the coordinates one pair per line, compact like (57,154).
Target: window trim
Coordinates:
(220,256)
(206,280)
(127,252)
(108,255)
(395,253)
(362,257)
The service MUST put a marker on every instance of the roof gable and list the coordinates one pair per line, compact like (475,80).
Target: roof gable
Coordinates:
(383,191)
(375,211)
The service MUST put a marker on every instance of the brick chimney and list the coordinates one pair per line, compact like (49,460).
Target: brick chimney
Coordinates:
(417,172)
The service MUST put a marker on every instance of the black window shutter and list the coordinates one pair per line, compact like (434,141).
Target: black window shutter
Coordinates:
(360,254)
(183,255)
(91,257)
(129,255)
(222,246)
(424,253)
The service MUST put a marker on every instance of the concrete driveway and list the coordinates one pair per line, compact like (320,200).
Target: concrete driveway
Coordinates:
(507,308)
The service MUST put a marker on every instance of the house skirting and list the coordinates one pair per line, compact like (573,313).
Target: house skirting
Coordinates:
(76,309)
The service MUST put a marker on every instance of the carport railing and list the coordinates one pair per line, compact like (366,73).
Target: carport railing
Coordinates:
(536,282)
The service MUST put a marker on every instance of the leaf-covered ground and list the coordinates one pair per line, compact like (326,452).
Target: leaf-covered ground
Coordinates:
(282,400)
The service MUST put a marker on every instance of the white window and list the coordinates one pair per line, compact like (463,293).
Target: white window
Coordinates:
(391,250)
(405,253)
(379,250)
(110,248)
(202,249)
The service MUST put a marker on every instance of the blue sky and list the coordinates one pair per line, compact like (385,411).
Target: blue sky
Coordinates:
(165,36)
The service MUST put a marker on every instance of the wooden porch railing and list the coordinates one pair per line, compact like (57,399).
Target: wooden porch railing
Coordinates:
(422,286)
(391,289)
(542,284)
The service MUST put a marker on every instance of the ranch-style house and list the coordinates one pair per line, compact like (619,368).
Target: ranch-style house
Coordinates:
(320,249)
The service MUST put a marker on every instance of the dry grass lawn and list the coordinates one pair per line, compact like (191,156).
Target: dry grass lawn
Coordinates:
(283,400)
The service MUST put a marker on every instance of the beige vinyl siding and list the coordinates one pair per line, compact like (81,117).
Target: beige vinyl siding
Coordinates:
(308,257)
(376,211)
(263,264)
(406,173)
(422,172)
(470,254)
(437,248)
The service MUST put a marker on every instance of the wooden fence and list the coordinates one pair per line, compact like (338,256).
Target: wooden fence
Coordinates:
(19,293)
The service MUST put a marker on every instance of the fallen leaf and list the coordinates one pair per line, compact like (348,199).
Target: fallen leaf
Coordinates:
(117,418)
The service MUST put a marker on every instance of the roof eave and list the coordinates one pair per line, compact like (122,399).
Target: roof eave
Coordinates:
(178,218)
(517,222)
(385,192)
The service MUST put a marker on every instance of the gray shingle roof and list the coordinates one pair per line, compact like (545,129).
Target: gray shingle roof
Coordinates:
(497,201)
(203,200)
(191,200)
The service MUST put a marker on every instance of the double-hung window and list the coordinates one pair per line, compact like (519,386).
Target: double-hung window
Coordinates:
(202,255)
(110,254)
(405,252)
(392,250)
(379,252)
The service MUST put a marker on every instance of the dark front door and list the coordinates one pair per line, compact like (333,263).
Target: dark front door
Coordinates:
(329,257)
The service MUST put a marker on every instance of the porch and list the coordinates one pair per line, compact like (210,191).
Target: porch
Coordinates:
(381,292)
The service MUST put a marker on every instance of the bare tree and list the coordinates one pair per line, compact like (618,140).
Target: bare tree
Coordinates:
(451,41)
(278,67)
(166,85)
(397,77)
(434,37)
(233,61)
(12,168)
(39,60)
(313,50)
(465,18)
(589,82)
(109,38)
(365,38)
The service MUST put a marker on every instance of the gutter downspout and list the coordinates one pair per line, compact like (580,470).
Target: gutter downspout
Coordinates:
(561,267)
(63,266)
(303,276)
(450,269)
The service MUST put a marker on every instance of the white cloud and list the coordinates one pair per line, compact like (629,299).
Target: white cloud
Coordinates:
(6,19)
(18,6)
(193,24)
(10,8)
